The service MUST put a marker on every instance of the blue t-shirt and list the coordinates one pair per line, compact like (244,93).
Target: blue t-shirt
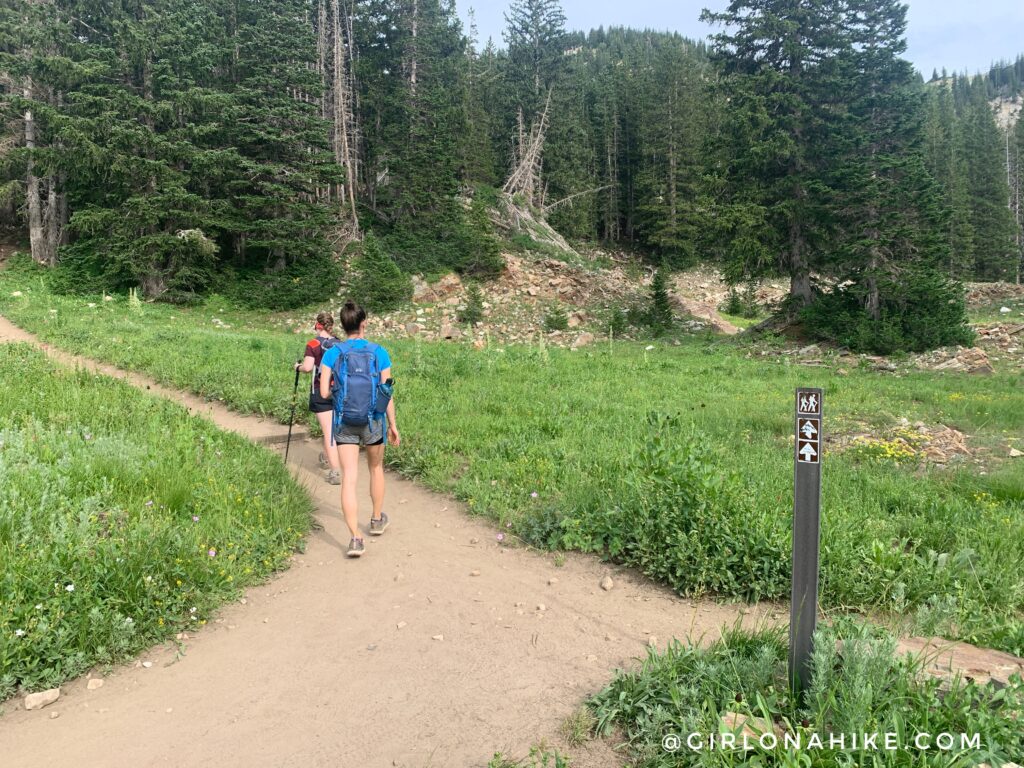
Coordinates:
(331,355)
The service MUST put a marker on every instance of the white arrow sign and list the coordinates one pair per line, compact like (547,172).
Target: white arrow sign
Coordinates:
(808,452)
(809,429)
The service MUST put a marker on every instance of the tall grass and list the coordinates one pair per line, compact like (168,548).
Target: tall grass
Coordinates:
(860,687)
(675,459)
(123,519)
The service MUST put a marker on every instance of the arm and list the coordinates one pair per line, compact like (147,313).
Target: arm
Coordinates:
(307,364)
(394,436)
(326,374)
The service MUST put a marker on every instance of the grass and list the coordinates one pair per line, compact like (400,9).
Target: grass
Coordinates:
(862,689)
(674,459)
(123,520)
(991,312)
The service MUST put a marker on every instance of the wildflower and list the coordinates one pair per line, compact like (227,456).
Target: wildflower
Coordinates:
(195,518)
(534,495)
(212,553)
(108,298)
(129,621)
(39,606)
(53,311)
(19,633)
(69,588)
(149,503)
(500,537)
(16,294)
(508,525)
(91,305)
(648,348)
(192,609)
(160,622)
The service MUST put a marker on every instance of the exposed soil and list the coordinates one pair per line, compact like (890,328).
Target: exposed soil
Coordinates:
(314,670)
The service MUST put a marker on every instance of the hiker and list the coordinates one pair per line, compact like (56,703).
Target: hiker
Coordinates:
(364,415)
(321,406)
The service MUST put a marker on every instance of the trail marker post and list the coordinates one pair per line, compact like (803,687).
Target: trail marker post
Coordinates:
(803,612)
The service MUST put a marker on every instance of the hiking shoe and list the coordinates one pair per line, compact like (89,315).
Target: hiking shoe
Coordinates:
(356,548)
(324,463)
(377,527)
(334,477)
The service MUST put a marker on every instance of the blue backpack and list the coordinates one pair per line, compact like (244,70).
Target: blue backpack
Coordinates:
(355,383)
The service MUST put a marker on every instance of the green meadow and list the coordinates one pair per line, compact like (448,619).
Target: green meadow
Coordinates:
(123,520)
(675,459)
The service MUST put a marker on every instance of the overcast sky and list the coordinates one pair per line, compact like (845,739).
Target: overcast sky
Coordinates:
(956,34)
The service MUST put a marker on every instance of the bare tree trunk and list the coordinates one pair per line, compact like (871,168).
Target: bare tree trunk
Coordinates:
(415,30)
(344,117)
(673,162)
(45,216)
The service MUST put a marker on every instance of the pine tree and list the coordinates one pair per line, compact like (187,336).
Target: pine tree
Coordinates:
(780,79)
(535,32)
(991,220)
(892,222)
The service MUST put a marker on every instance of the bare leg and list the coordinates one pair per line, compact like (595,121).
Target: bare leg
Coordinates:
(375,463)
(330,449)
(349,455)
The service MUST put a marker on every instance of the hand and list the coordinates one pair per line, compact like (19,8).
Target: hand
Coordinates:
(394,437)
(297,366)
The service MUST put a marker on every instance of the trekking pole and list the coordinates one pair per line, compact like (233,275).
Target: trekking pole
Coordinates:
(291,419)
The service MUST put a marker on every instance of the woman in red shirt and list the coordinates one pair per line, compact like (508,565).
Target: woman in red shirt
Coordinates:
(322,407)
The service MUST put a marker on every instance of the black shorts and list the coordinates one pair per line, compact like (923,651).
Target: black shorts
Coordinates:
(319,404)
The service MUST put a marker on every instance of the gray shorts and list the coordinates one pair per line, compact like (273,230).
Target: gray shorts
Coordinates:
(369,434)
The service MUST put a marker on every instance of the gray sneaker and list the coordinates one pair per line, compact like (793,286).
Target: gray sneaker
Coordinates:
(324,463)
(333,477)
(377,527)
(356,548)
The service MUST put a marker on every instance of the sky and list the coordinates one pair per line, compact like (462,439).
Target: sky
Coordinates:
(960,35)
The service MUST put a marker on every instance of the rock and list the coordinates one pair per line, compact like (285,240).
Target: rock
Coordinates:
(607,583)
(945,659)
(474,540)
(54,715)
(541,607)
(552,580)
(401,625)
(652,641)
(451,332)
(438,637)
(583,340)
(1015,454)
(413,328)
(752,728)
(1005,310)
(480,344)
(474,573)
(94,683)
(42,699)
(147,664)
(575,321)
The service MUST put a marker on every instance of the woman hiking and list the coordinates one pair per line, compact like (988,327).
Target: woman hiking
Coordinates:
(321,406)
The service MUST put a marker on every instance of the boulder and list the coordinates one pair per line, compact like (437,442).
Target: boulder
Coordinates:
(42,699)
(452,332)
(583,340)
(413,328)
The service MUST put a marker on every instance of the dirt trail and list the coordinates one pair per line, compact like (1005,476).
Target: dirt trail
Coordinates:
(313,669)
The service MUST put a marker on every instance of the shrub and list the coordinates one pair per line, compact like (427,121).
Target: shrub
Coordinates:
(660,316)
(309,281)
(474,311)
(684,521)
(923,311)
(376,282)
(556,319)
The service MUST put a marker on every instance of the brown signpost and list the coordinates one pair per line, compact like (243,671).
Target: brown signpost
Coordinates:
(803,612)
